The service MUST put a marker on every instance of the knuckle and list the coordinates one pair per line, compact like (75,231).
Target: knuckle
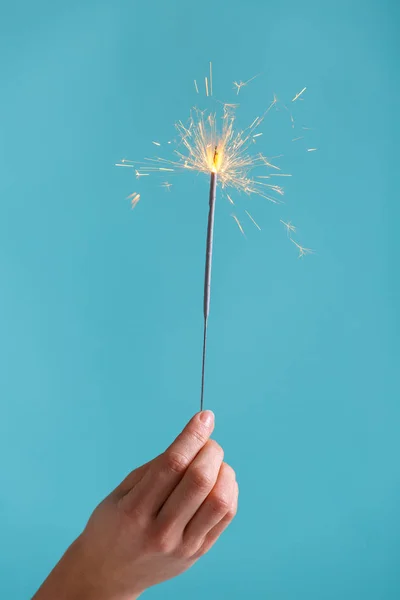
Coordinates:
(162,542)
(199,436)
(228,471)
(216,448)
(176,462)
(200,479)
(134,512)
(232,511)
(219,503)
(231,514)
(162,545)
(184,551)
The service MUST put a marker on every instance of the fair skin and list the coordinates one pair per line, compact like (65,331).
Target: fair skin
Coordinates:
(154,526)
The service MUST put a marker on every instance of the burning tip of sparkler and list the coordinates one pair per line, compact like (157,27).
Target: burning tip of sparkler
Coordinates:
(215,160)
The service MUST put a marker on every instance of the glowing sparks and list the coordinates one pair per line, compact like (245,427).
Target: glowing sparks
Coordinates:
(210,142)
(302,251)
(289,227)
(251,219)
(201,136)
(238,85)
(134,198)
(299,94)
(238,223)
(139,174)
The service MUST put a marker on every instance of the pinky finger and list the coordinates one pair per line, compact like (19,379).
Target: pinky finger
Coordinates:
(217,530)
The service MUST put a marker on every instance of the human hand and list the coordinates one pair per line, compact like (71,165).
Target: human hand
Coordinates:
(155,525)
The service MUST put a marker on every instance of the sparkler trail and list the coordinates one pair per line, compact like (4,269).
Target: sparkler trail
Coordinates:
(217,148)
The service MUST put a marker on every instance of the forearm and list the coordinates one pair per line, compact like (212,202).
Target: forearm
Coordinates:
(67,580)
(71,580)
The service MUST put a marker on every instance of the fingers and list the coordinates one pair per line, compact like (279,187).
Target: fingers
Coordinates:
(196,484)
(218,529)
(167,470)
(214,509)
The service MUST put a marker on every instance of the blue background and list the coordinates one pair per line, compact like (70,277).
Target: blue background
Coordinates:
(101,307)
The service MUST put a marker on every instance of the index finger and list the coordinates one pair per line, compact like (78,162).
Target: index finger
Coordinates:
(167,470)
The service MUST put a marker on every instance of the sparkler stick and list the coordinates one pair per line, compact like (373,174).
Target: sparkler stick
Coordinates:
(207,273)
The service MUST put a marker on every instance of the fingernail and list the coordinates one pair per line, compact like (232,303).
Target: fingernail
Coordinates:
(207,417)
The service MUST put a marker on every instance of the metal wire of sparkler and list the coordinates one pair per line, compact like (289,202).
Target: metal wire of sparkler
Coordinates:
(207,272)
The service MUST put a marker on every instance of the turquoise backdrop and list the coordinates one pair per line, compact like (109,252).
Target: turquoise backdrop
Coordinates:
(101,306)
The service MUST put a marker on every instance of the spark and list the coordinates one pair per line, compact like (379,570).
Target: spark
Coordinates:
(299,94)
(280,175)
(228,106)
(238,223)
(230,199)
(167,186)
(238,85)
(311,149)
(289,227)
(196,88)
(211,80)
(157,143)
(302,251)
(134,198)
(251,218)
(124,165)
(301,137)
(139,174)
(206,81)
(268,163)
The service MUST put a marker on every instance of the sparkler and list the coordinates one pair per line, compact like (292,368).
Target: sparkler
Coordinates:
(222,152)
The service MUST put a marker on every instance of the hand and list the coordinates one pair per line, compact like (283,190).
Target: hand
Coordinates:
(156,524)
